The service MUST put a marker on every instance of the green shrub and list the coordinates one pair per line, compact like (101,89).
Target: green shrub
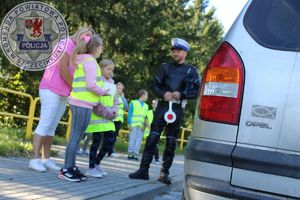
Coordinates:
(13,143)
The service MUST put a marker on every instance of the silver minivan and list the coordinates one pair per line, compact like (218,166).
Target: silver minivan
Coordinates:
(245,142)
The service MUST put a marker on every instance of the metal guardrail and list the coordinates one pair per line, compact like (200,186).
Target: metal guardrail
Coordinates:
(31,111)
(30,117)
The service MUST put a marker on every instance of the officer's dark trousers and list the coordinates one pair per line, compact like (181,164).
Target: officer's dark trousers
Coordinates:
(172,131)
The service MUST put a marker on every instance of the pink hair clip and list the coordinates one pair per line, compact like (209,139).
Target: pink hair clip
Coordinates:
(86,38)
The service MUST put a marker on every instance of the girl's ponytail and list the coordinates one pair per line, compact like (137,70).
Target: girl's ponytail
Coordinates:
(80,48)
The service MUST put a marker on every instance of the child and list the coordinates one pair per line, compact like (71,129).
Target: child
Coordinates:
(86,91)
(122,105)
(102,125)
(136,121)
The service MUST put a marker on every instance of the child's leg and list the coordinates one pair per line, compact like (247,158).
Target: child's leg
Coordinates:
(86,141)
(94,148)
(116,133)
(80,121)
(138,140)
(106,147)
(132,136)
(156,155)
(78,148)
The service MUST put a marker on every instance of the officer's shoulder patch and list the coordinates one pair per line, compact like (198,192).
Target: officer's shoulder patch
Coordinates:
(166,64)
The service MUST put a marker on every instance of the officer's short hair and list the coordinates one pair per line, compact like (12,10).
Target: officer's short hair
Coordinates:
(142,92)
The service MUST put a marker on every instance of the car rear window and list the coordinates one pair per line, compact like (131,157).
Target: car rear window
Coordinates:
(274,24)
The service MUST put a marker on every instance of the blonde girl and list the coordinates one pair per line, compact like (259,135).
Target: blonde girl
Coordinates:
(86,91)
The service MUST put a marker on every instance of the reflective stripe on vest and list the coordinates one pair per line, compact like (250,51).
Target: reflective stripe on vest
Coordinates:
(120,116)
(98,123)
(139,113)
(79,90)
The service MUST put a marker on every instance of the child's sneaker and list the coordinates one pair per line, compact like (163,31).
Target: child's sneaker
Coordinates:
(50,164)
(37,165)
(86,153)
(79,173)
(157,162)
(99,169)
(79,152)
(114,155)
(94,173)
(130,156)
(135,157)
(69,175)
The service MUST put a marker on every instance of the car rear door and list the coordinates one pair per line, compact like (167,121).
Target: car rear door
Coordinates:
(267,152)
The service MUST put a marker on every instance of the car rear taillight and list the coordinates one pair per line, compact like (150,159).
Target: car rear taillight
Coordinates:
(222,87)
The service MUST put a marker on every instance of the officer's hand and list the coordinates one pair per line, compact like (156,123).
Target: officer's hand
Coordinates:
(168,96)
(176,95)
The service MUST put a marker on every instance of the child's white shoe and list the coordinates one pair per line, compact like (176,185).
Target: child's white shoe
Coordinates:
(94,173)
(99,169)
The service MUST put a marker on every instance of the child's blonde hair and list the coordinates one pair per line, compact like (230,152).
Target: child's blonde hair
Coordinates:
(121,84)
(106,62)
(80,31)
(83,47)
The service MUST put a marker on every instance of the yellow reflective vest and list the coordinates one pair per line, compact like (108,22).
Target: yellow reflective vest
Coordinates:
(79,90)
(139,113)
(120,117)
(100,124)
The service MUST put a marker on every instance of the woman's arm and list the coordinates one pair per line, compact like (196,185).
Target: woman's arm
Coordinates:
(64,69)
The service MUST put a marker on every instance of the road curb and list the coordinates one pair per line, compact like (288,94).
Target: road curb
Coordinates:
(148,190)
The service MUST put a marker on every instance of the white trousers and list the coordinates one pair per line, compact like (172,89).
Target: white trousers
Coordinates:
(53,107)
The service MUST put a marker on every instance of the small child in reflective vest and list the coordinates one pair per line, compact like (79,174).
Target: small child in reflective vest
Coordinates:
(137,121)
(101,123)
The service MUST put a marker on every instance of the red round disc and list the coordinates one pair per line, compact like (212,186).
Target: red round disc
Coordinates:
(170,116)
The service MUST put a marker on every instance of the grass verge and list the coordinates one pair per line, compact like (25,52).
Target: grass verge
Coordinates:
(13,143)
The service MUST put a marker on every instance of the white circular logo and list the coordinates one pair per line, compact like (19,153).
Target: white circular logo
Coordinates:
(33,35)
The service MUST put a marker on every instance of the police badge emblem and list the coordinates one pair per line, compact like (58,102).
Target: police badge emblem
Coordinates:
(33,35)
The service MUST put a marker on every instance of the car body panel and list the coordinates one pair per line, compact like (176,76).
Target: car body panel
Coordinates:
(259,158)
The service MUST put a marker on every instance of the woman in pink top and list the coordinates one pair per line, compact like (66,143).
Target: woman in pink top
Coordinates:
(54,89)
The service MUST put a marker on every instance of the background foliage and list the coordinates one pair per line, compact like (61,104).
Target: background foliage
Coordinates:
(137,35)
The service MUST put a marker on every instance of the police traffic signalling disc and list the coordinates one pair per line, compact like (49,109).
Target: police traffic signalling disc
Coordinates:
(170,116)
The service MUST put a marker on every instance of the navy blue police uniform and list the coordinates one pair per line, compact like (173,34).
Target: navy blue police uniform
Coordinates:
(171,77)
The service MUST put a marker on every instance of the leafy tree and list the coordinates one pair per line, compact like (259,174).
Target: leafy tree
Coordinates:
(137,35)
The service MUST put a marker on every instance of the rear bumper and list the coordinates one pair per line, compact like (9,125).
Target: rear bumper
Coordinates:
(210,189)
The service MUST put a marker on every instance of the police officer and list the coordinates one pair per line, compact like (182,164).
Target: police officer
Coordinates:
(176,82)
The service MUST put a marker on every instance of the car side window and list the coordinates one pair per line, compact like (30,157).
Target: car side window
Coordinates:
(274,24)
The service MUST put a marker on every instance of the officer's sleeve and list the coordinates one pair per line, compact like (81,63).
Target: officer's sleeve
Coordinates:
(157,83)
(192,85)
